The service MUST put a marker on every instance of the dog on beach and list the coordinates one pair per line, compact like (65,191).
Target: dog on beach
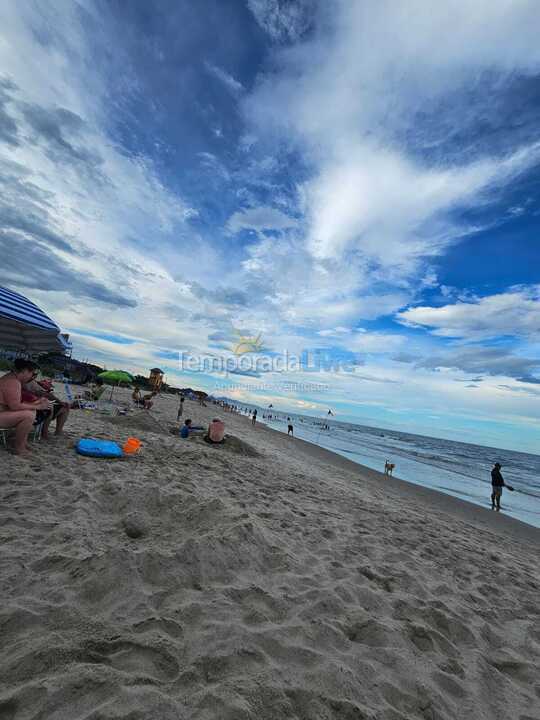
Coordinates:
(389,468)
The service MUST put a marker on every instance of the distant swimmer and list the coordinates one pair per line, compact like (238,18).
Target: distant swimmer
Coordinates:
(389,468)
(497,484)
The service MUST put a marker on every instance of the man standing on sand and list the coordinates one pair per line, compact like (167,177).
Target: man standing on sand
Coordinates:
(290,429)
(497,484)
(254,417)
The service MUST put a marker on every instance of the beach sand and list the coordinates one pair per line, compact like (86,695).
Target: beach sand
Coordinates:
(263,579)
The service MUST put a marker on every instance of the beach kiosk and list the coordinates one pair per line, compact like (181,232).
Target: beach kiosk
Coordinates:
(156,379)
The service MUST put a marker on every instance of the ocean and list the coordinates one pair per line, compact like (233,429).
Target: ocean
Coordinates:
(456,468)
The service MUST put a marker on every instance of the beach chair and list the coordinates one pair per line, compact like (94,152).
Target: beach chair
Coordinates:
(111,406)
(35,433)
(84,403)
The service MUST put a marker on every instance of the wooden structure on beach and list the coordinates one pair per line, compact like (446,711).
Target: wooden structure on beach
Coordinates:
(156,379)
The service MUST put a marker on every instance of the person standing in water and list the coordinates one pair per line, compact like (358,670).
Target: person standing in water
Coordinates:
(290,429)
(254,417)
(497,484)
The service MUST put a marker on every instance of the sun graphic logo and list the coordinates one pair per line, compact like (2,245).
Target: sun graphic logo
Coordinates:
(247,344)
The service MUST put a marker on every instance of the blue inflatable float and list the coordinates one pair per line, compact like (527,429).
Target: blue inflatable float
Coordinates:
(99,448)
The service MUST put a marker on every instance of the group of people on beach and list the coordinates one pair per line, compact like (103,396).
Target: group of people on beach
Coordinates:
(215,434)
(26,402)
(143,401)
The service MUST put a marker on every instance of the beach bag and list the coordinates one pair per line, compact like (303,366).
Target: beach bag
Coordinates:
(98,448)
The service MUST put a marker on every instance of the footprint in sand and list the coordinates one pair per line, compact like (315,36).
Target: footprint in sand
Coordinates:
(163,625)
(258,605)
(427,640)
(135,659)
(515,669)
(369,632)
(449,685)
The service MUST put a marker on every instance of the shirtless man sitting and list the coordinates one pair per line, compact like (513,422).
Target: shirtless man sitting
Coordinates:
(14,413)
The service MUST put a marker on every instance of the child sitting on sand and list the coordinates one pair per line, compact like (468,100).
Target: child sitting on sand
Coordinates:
(148,400)
(136,396)
(188,428)
(96,390)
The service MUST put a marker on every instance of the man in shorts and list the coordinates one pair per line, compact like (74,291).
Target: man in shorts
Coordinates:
(497,484)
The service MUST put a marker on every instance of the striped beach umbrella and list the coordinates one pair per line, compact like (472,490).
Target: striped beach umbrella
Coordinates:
(24,327)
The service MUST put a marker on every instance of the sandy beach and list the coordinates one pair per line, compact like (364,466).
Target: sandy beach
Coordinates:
(262,579)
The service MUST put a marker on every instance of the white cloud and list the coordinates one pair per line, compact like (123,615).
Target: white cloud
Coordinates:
(514,313)
(375,342)
(259,219)
(333,332)
(230,82)
(352,98)
(377,202)
(283,19)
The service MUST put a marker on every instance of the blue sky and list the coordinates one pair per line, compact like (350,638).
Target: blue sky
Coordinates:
(357,179)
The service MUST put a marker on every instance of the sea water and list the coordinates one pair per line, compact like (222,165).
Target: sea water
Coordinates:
(456,468)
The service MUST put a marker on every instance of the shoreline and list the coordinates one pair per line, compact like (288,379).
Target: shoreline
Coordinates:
(476,514)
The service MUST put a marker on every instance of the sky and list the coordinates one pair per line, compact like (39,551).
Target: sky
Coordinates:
(353,184)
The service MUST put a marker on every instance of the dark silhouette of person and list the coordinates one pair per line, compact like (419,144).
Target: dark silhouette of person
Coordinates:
(497,484)
(180,409)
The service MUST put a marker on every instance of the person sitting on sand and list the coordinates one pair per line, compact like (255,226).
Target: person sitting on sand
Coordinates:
(59,410)
(136,396)
(13,412)
(216,432)
(497,484)
(148,400)
(97,389)
(188,428)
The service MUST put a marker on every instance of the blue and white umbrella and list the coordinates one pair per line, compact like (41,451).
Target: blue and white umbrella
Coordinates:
(23,326)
